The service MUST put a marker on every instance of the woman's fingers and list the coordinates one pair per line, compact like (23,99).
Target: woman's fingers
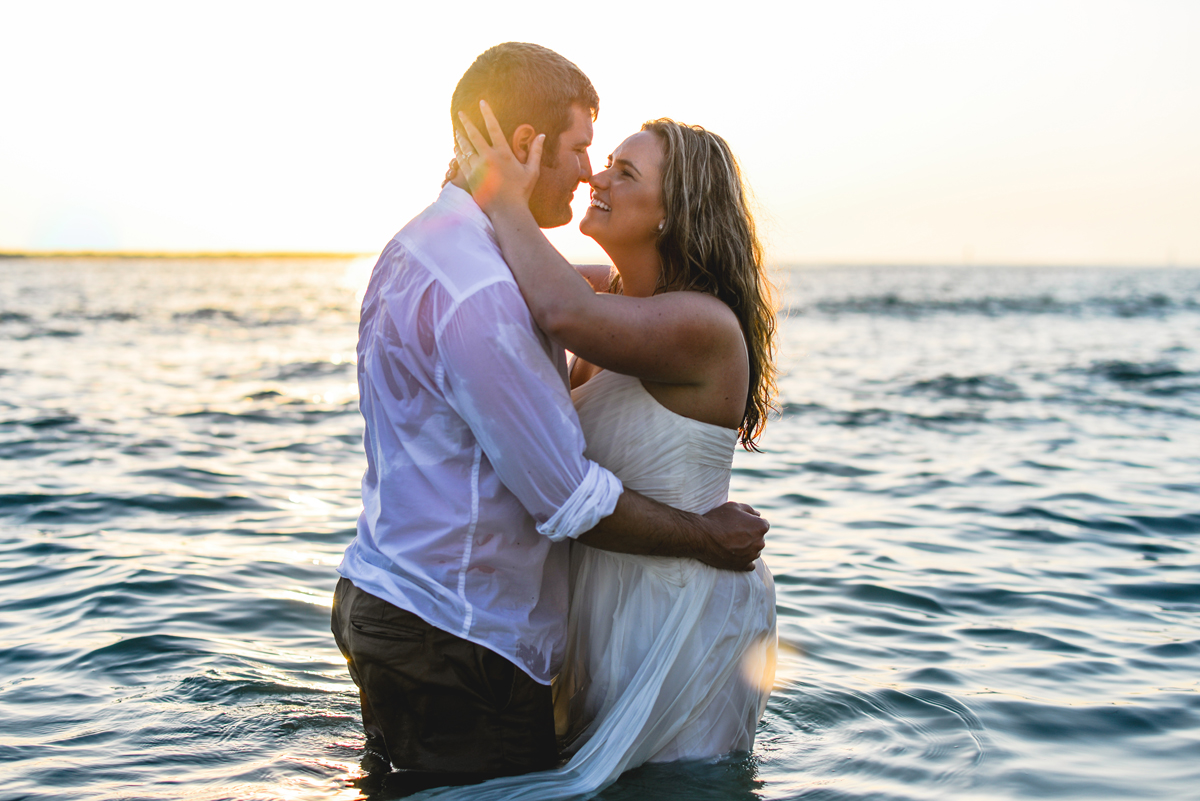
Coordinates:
(453,169)
(494,173)
(474,137)
(535,152)
(493,127)
(462,149)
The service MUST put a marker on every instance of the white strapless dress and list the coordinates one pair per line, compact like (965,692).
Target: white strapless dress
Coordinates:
(667,659)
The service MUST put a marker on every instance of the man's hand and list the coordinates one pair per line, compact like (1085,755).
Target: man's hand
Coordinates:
(729,537)
(737,536)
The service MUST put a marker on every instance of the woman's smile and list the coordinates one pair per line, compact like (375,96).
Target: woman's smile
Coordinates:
(626,198)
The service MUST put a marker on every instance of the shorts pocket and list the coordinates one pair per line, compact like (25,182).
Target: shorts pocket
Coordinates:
(386,630)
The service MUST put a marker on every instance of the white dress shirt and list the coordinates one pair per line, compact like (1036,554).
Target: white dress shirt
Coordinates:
(475,470)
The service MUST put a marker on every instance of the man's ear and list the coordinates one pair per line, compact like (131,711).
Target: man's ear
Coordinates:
(522,139)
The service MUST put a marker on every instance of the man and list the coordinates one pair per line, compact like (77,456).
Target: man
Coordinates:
(451,609)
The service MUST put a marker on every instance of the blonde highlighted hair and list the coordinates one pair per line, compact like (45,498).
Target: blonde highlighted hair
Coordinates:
(709,244)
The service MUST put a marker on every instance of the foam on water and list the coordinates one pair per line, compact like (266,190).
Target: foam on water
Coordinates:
(984,491)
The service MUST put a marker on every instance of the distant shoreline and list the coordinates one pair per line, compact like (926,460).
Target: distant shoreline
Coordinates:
(121,254)
(200,255)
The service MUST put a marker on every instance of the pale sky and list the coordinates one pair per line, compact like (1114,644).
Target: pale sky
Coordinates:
(881,132)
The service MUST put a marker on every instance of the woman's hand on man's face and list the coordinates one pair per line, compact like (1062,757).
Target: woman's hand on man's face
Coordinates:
(496,176)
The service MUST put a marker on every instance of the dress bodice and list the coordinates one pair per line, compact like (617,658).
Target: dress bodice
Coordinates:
(667,658)
(673,459)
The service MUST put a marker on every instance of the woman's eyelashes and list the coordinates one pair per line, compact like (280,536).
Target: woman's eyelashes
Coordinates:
(625,173)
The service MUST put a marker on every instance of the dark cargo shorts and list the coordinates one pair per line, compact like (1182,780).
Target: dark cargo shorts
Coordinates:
(436,703)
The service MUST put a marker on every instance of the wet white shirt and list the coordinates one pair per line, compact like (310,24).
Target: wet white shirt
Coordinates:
(475,470)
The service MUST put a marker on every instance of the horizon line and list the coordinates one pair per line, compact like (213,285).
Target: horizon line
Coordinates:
(306,254)
(179,254)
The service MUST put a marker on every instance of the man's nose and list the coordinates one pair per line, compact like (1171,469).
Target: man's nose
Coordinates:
(585,169)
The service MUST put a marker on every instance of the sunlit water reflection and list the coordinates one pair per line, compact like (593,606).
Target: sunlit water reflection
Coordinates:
(984,491)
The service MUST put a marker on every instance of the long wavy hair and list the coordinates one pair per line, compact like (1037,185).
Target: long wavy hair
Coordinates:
(709,244)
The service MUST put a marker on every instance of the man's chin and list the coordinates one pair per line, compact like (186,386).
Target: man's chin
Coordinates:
(554,220)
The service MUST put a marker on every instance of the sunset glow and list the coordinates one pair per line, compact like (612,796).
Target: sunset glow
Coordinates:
(929,132)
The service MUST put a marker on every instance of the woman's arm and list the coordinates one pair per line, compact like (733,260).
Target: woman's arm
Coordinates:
(674,338)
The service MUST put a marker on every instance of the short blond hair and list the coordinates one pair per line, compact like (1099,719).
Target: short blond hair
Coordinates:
(524,83)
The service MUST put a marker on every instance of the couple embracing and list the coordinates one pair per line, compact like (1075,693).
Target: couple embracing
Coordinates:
(548,544)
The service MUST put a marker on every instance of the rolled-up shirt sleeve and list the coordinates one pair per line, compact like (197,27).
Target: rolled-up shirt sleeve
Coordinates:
(497,376)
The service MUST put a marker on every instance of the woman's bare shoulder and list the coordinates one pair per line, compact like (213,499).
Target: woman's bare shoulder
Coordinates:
(705,313)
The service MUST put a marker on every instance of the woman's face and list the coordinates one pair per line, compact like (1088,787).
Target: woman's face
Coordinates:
(626,205)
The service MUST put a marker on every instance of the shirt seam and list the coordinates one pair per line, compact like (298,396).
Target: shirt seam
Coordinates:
(469,610)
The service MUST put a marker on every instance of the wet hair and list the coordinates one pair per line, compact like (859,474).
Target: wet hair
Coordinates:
(524,83)
(709,244)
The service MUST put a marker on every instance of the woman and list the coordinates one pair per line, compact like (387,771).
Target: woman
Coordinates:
(667,658)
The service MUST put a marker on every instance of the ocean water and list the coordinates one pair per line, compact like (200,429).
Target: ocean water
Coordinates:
(984,489)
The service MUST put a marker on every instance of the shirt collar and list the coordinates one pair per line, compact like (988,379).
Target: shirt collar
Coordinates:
(459,201)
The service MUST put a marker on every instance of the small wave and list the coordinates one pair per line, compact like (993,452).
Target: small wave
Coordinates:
(205,314)
(44,421)
(864,417)
(148,654)
(38,332)
(1026,639)
(932,675)
(1103,405)
(1134,372)
(31,449)
(311,370)
(1174,390)
(803,500)
(886,596)
(191,476)
(252,318)
(836,469)
(877,416)
(893,304)
(980,387)
(1061,723)
(93,507)
(1111,525)
(1158,591)
(1174,650)
(1085,497)
(113,316)
(214,688)
(1176,524)
(786,409)
(232,417)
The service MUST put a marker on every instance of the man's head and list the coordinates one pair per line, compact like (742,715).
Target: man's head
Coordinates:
(534,90)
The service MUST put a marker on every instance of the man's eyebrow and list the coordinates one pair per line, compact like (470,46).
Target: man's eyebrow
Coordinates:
(629,164)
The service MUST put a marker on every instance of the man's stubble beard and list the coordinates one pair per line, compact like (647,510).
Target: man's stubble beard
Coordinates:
(547,211)
(556,216)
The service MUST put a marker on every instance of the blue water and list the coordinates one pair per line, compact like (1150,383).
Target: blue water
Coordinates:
(984,490)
